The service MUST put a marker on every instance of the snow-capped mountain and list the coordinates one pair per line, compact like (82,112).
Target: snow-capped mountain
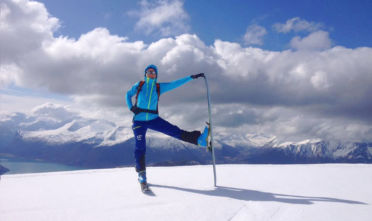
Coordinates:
(55,133)
(55,124)
(315,149)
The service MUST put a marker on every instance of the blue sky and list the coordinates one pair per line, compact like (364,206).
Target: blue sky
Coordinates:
(347,21)
(293,70)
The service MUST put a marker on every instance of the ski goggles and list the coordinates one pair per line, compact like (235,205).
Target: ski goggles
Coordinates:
(150,72)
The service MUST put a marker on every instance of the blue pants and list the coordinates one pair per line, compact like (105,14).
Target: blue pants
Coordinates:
(163,126)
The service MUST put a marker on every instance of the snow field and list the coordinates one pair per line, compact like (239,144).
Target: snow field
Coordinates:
(245,192)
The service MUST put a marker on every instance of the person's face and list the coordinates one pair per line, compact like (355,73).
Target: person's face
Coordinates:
(150,73)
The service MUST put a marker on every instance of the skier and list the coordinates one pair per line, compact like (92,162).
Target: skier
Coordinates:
(146,116)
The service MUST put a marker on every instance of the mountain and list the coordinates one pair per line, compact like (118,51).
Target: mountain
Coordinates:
(55,134)
(308,192)
(3,170)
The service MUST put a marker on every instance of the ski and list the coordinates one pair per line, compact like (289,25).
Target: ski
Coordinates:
(210,133)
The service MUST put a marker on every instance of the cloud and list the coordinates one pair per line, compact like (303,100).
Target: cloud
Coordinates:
(290,94)
(164,17)
(254,35)
(24,26)
(5,77)
(324,79)
(297,24)
(318,40)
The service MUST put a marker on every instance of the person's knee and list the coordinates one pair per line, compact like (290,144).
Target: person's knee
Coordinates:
(140,138)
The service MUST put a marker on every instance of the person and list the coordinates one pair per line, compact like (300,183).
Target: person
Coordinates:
(146,116)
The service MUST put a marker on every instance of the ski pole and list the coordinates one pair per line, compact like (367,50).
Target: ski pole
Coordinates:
(210,143)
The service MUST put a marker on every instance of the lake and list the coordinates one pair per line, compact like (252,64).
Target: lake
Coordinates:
(17,166)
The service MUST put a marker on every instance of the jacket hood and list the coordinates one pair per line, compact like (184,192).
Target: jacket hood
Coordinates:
(153,67)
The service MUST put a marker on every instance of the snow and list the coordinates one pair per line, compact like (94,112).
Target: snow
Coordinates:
(58,125)
(242,139)
(245,192)
(304,142)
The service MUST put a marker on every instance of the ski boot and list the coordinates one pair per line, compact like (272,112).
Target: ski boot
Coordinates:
(143,181)
(203,138)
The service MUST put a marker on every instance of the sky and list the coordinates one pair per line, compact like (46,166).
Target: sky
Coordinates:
(290,69)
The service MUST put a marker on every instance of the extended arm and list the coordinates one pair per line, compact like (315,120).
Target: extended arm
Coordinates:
(165,87)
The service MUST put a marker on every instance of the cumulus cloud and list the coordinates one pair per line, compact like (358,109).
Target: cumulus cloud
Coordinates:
(291,94)
(297,24)
(254,35)
(24,26)
(285,77)
(164,17)
(318,40)
(5,77)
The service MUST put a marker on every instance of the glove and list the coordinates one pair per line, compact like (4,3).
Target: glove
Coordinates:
(194,76)
(135,110)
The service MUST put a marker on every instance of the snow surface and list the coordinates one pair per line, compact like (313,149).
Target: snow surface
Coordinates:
(245,192)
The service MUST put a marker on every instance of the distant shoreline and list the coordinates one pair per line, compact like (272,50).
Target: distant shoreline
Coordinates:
(17,165)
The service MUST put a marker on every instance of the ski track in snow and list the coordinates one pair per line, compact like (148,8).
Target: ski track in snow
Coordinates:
(244,192)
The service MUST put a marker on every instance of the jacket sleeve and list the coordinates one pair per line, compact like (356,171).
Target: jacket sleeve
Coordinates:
(165,87)
(130,94)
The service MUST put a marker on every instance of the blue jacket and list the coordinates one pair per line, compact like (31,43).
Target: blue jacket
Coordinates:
(148,97)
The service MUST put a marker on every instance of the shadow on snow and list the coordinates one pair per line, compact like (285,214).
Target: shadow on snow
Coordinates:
(253,195)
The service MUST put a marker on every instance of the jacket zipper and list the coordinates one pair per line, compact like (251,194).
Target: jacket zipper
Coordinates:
(148,106)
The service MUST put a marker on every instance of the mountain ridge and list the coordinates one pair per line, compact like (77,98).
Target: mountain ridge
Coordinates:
(55,134)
